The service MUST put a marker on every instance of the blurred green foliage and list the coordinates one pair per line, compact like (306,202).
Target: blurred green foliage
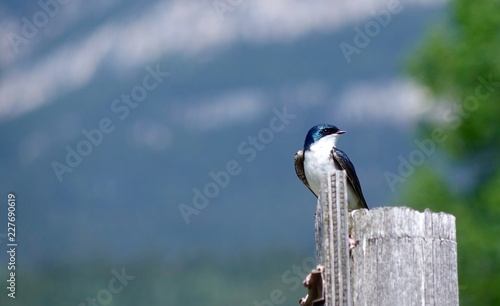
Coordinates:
(459,61)
(196,279)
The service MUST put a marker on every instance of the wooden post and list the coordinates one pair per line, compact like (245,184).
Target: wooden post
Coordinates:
(332,247)
(404,257)
(401,257)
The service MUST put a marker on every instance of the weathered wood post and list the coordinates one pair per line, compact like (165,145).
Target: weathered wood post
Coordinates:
(402,257)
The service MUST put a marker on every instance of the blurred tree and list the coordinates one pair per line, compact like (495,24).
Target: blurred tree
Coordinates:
(459,62)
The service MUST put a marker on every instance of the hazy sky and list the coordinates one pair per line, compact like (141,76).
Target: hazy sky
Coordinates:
(132,38)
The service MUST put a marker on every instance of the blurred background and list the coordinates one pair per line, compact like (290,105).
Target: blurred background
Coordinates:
(150,145)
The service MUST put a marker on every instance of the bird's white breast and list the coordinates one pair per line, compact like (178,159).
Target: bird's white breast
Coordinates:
(318,161)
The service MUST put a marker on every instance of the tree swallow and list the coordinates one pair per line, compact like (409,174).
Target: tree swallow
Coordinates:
(320,155)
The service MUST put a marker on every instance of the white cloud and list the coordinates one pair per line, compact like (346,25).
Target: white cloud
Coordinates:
(396,101)
(69,67)
(150,134)
(219,111)
(178,26)
(310,93)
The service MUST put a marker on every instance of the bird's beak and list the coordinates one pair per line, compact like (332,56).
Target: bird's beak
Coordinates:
(340,132)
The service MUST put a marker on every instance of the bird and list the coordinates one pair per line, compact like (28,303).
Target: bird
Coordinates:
(319,156)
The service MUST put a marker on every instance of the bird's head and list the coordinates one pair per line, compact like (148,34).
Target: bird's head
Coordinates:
(322,132)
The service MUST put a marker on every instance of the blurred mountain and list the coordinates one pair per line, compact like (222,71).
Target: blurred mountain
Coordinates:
(123,199)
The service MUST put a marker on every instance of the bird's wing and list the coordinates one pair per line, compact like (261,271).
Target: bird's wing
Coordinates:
(344,162)
(299,168)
